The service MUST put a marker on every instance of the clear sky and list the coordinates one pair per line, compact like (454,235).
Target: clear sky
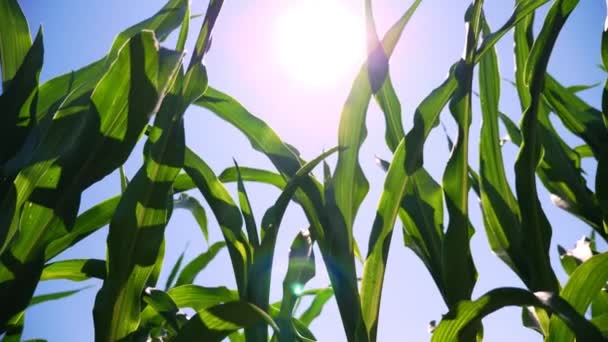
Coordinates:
(245,61)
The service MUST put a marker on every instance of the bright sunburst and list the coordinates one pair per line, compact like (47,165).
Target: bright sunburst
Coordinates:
(319,41)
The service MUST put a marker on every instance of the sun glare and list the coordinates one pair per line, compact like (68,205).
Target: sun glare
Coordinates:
(320,41)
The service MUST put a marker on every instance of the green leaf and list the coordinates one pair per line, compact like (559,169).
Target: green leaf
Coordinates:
(252,175)
(537,235)
(203,42)
(582,287)
(500,209)
(378,71)
(192,204)
(350,184)
(579,117)
(81,82)
(174,270)
(226,212)
(217,322)
(601,184)
(459,273)
(380,236)
(258,292)
(16,123)
(194,267)
(164,305)
(136,236)
(321,297)
(15,40)
(252,230)
(421,213)
(300,269)
(468,313)
(86,223)
(521,14)
(75,270)
(101,136)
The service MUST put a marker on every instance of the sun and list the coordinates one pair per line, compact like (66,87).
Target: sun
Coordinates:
(319,42)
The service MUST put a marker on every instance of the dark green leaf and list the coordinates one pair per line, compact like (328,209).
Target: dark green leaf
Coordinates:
(190,203)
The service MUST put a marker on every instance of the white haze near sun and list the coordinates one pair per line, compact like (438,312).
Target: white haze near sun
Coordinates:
(319,42)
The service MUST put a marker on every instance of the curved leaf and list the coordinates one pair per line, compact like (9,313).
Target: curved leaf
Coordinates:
(471,312)
(217,322)
(583,286)
(75,270)
(194,267)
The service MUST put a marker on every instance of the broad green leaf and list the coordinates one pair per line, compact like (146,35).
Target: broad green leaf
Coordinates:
(217,322)
(582,287)
(190,296)
(16,123)
(500,209)
(100,136)
(194,267)
(226,212)
(136,235)
(75,270)
(15,40)
(192,204)
(459,274)
(537,233)
(471,312)
(82,81)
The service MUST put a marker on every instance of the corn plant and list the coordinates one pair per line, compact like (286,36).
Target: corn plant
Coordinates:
(62,136)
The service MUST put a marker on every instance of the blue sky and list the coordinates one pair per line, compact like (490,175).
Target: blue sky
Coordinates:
(243,62)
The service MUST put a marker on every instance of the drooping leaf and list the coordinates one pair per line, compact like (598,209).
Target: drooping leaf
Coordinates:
(75,270)
(217,322)
(192,204)
(471,312)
